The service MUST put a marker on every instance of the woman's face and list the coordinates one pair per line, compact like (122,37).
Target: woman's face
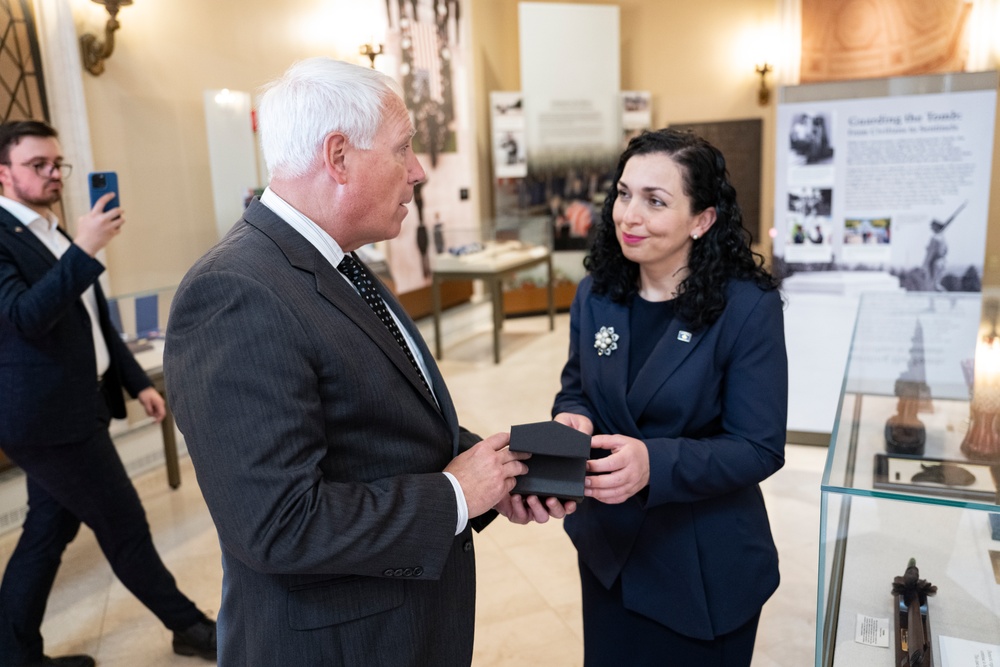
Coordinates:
(652,214)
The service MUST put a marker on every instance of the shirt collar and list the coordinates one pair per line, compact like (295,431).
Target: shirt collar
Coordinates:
(28,216)
(312,232)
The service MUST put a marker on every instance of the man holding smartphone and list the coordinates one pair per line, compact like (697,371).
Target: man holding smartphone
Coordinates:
(62,371)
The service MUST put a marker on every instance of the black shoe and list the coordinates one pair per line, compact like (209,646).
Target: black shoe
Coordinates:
(199,640)
(65,661)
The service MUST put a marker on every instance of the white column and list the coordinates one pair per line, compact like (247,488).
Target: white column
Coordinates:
(790,29)
(63,72)
(984,36)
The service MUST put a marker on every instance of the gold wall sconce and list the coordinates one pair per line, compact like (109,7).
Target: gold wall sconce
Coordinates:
(371,50)
(763,93)
(94,51)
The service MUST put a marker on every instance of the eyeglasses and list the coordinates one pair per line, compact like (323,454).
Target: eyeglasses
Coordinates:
(44,168)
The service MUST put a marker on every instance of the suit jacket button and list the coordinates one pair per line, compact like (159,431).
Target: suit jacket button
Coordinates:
(398,572)
(408,572)
(467,546)
(388,573)
(417,571)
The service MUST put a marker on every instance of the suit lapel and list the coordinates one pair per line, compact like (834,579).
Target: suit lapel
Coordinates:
(666,357)
(611,369)
(434,379)
(332,286)
(24,237)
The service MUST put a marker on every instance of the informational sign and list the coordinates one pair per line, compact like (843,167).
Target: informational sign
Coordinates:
(880,185)
(570,76)
(637,113)
(510,157)
(896,183)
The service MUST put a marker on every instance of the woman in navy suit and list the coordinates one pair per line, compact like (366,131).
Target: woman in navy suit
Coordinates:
(677,367)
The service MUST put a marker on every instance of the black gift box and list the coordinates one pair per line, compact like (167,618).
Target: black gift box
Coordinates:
(558,460)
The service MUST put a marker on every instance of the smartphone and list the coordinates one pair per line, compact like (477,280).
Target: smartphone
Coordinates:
(102,182)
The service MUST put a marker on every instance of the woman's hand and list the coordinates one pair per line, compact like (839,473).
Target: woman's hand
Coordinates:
(575,421)
(620,475)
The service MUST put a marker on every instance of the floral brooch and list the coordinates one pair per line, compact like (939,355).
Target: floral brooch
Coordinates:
(605,341)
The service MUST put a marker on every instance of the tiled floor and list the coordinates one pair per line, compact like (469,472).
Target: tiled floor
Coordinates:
(528,609)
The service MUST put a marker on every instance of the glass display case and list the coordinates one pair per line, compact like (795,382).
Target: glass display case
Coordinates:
(141,316)
(141,320)
(897,485)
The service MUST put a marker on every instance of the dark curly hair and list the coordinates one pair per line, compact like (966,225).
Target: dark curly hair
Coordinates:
(719,256)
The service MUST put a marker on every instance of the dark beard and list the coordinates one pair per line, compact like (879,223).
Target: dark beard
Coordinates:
(45,201)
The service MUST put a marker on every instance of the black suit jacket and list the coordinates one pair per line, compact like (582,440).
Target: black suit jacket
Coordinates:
(320,455)
(48,373)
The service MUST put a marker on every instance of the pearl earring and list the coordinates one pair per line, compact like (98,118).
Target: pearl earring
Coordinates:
(694,237)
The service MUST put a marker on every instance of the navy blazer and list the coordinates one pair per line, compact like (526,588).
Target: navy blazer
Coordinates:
(694,550)
(48,370)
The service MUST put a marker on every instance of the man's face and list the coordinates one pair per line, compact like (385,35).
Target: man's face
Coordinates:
(23,183)
(383,177)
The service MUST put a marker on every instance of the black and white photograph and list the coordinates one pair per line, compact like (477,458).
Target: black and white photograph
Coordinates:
(810,139)
(510,158)
(937,477)
(809,216)
(510,138)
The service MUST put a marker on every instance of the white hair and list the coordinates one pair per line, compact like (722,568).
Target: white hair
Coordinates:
(313,98)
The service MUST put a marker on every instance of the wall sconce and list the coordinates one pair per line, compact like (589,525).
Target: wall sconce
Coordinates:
(371,50)
(763,93)
(94,52)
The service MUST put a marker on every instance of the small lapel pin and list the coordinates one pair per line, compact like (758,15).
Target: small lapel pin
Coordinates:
(684,336)
(19,229)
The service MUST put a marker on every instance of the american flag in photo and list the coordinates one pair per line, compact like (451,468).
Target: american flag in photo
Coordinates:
(426,56)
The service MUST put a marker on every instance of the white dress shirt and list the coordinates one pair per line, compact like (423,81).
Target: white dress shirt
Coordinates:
(334,254)
(45,228)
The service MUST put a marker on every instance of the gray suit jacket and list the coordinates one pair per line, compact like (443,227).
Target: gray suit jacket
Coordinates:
(319,454)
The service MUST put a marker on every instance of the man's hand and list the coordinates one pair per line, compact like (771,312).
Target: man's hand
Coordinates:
(523,510)
(153,403)
(626,469)
(486,472)
(578,422)
(95,229)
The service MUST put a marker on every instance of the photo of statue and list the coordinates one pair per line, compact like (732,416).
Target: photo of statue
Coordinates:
(937,252)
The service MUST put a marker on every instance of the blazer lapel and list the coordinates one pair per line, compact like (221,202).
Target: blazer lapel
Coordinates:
(434,379)
(665,358)
(20,233)
(332,286)
(611,369)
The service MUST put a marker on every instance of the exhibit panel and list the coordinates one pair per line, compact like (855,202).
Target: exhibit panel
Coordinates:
(880,185)
(909,475)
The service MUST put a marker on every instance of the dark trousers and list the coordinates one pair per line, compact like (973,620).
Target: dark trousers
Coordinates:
(67,484)
(613,635)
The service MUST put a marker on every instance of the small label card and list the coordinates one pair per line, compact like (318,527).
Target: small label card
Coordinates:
(872,631)
(964,653)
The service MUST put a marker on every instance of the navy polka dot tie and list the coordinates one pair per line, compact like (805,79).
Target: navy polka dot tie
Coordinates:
(357,274)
